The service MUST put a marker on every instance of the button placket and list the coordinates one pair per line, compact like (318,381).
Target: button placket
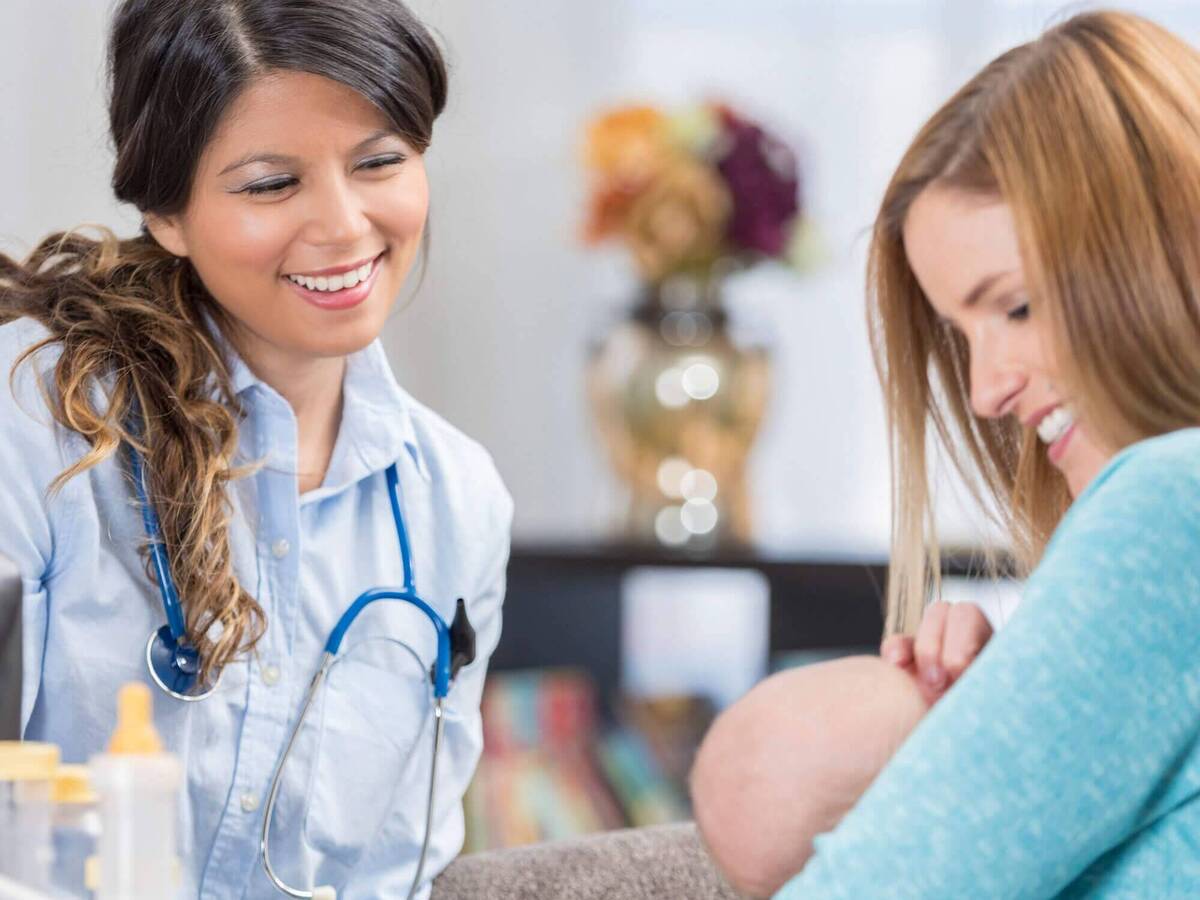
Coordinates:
(264,726)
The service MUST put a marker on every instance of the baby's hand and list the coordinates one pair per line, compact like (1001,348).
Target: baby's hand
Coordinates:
(948,640)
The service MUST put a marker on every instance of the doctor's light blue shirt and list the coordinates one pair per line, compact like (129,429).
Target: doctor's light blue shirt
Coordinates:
(351,808)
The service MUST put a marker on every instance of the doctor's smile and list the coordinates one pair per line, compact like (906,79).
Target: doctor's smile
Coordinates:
(337,287)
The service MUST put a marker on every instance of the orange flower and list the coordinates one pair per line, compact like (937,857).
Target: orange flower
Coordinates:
(608,205)
(628,145)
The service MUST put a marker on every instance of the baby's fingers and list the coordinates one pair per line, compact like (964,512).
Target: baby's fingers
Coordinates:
(967,631)
(928,650)
(898,650)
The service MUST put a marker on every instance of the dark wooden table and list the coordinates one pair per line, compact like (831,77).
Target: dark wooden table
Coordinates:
(563,606)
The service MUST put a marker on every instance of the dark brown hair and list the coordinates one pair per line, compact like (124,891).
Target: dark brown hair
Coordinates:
(129,318)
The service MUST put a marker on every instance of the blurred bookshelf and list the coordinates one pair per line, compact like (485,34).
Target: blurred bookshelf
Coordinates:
(567,751)
(553,766)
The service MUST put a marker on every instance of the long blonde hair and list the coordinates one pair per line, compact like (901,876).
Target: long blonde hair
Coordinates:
(1091,135)
(138,364)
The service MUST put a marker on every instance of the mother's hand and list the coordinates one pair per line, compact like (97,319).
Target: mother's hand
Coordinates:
(948,639)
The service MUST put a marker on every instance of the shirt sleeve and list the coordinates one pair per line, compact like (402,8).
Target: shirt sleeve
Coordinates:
(33,531)
(1074,728)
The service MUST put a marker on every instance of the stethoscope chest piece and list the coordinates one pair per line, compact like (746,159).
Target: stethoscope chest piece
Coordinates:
(175,666)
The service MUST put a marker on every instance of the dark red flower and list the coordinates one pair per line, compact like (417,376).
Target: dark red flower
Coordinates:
(764,183)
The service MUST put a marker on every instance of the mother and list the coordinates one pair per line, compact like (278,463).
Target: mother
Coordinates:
(1035,301)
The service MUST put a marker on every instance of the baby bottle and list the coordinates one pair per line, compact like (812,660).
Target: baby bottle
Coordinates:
(138,786)
(26,776)
(76,825)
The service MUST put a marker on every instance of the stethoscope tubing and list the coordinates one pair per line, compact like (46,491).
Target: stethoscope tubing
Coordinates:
(269,812)
(264,843)
(441,674)
(158,550)
(441,665)
(438,722)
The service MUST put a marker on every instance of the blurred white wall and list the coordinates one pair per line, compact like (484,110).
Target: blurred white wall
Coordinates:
(55,163)
(496,335)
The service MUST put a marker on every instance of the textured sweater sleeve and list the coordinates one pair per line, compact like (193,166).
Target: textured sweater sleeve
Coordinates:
(1075,727)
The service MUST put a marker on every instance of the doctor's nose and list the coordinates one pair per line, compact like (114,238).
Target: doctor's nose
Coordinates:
(338,217)
(995,384)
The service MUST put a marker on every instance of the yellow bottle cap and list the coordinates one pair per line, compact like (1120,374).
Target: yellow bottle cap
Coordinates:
(27,761)
(135,732)
(72,784)
(91,873)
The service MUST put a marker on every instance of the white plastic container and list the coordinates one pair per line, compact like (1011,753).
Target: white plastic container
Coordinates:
(138,785)
(76,826)
(26,778)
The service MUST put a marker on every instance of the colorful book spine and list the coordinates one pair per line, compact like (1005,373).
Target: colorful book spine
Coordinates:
(645,794)
(547,771)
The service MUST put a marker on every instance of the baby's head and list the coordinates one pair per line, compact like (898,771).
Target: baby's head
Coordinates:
(789,759)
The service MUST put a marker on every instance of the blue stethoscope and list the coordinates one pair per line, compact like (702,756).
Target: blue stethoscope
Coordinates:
(174,663)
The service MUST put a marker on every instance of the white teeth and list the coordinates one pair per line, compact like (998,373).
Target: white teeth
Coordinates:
(335,282)
(1055,425)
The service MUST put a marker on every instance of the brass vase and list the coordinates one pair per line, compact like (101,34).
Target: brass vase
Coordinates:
(678,405)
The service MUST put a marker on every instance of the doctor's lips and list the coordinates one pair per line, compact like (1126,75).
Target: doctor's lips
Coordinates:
(337,287)
(335,278)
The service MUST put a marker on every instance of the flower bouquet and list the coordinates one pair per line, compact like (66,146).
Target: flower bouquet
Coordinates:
(689,190)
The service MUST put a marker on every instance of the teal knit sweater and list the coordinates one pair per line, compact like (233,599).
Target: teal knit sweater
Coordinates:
(1065,762)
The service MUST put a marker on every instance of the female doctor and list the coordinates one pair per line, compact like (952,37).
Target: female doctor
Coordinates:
(205,412)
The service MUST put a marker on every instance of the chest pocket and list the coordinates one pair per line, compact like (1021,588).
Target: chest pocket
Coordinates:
(376,706)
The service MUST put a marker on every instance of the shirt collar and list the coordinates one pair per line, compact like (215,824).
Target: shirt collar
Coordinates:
(240,376)
(377,413)
(377,424)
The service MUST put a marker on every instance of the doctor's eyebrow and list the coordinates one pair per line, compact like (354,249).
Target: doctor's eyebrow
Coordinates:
(283,159)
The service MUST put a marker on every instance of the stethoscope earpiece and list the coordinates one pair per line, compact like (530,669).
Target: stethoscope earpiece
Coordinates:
(462,640)
(461,634)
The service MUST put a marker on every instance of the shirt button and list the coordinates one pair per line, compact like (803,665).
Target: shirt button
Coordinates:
(270,676)
(249,802)
(280,548)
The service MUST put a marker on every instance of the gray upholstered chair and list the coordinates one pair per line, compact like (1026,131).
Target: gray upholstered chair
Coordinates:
(666,862)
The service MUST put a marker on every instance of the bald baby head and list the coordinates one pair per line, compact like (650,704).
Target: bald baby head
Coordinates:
(789,759)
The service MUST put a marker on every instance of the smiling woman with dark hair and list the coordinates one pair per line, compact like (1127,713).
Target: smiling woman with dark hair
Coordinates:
(223,370)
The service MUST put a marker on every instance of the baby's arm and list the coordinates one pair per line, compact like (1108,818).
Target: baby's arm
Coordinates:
(789,759)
